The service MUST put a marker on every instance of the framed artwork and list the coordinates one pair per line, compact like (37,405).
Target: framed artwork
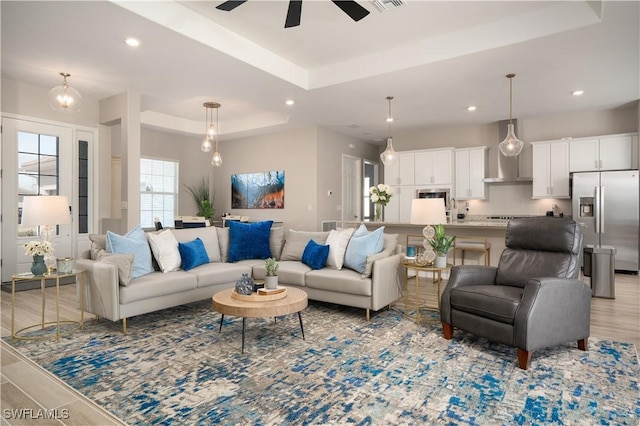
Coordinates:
(264,190)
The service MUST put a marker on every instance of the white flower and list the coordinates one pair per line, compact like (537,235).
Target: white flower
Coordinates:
(39,248)
(381,187)
(374,198)
(372,190)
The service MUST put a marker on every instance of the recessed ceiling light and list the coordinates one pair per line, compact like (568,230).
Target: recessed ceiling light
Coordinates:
(577,92)
(290,102)
(471,108)
(133,42)
(390,120)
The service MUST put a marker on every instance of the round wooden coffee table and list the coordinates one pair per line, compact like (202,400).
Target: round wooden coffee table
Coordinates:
(295,301)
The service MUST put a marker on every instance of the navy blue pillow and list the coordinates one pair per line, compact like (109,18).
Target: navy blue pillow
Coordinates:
(193,254)
(315,255)
(249,240)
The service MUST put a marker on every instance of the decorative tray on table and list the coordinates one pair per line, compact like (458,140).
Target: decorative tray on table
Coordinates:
(262,295)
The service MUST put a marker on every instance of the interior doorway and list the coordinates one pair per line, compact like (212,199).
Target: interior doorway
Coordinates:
(369,178)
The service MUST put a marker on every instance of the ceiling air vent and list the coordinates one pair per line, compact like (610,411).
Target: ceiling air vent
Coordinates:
(384,5)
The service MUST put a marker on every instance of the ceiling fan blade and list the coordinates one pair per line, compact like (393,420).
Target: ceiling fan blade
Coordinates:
(293,14)
(351,8)
(228,6)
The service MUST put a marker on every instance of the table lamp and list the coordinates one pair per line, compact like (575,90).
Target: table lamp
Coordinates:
(428,211)
(46,211)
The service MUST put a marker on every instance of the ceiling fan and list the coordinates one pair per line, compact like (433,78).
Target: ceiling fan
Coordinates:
(350,7)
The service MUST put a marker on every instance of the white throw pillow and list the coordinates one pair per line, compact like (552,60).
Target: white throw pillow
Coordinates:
(337,242)
(165,249)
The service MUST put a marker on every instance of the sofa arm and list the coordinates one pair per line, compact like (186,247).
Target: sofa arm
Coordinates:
(462,276)
(385,282)
(553,311)
(102,295)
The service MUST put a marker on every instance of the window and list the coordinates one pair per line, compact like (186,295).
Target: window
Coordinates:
(158,191)
(38,170)
(369,179)
(83,187)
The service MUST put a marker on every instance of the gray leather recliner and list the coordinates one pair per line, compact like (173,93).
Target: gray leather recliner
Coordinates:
(533,299)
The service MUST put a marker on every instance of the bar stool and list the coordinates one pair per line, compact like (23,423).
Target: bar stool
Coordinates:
(477,244)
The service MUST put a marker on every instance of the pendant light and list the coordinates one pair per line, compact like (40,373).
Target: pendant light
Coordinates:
(206,141)
(213,132)
(65,98)
(389,156)
(511,146)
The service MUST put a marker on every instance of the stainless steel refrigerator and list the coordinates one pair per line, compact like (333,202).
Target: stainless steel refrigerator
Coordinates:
(606,205)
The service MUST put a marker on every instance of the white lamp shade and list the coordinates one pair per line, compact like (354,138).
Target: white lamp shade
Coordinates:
(428,211)
(39,210)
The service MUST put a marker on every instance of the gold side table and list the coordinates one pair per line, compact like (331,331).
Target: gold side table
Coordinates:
(80,278)
(436,279)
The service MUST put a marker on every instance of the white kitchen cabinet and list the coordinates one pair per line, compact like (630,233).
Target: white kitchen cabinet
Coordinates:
(399,208)
(615,152)
(434,167)
(400,172)
(550,169)
(470,173)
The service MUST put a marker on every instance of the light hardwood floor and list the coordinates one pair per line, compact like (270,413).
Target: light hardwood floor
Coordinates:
(24,385)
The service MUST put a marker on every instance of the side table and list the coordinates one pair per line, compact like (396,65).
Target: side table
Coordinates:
(436,278)
(80,278)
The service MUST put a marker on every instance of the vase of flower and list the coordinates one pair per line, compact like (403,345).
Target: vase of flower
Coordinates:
(380,196)
(38,267)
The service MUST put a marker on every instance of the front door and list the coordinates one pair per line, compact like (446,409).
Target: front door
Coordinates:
(36,160)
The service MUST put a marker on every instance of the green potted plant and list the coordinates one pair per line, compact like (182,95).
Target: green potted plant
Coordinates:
(271,266)
(203,198)
(441,244)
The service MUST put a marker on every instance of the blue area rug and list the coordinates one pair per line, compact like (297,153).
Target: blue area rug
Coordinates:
(173,367)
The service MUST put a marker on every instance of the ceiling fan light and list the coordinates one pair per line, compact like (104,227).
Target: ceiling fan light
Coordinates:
(206,145)
(511,146)
(65,98)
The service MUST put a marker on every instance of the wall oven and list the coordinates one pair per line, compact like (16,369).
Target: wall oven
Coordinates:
(444,193)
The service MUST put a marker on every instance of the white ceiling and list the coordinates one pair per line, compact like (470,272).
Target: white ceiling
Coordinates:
(435,58)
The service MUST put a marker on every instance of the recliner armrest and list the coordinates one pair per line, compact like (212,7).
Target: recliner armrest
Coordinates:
(553,311)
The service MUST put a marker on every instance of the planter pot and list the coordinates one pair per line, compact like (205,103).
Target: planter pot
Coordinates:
(441,262)
(271,282)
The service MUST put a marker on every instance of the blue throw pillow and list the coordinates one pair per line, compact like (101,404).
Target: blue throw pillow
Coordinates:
(193,254)
(133,242)
(315,255)
(361,245)
(249,240)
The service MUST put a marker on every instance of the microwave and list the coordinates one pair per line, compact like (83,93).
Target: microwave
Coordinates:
(444,193)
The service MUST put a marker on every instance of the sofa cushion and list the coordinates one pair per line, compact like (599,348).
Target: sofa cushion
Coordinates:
(344,281)
(157,284)
(276,241)
(133,242)
(124,263)
(388,249)
(289,272)
(217,273)
(296,241)
(165,250)
(193,254)
(497,302)
(249,240)
(361,245)
(98,242)
(223,242)
(209,238)
(337,242)
(315,255)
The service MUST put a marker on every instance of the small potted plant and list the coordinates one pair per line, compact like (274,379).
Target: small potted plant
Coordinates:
(441,244)
(271,280)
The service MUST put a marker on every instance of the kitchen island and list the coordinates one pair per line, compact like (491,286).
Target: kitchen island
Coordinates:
(493,230)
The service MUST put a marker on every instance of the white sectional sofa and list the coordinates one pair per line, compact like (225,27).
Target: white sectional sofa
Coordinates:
(108,297)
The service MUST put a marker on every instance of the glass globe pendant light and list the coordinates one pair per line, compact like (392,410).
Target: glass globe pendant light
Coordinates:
(206,141)
(511,146)
(65,98)
(389,155)
(216,160)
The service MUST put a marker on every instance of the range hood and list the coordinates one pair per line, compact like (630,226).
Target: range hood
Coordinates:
(508,167)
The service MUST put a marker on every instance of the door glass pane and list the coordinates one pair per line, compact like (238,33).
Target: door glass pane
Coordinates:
(38,171)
